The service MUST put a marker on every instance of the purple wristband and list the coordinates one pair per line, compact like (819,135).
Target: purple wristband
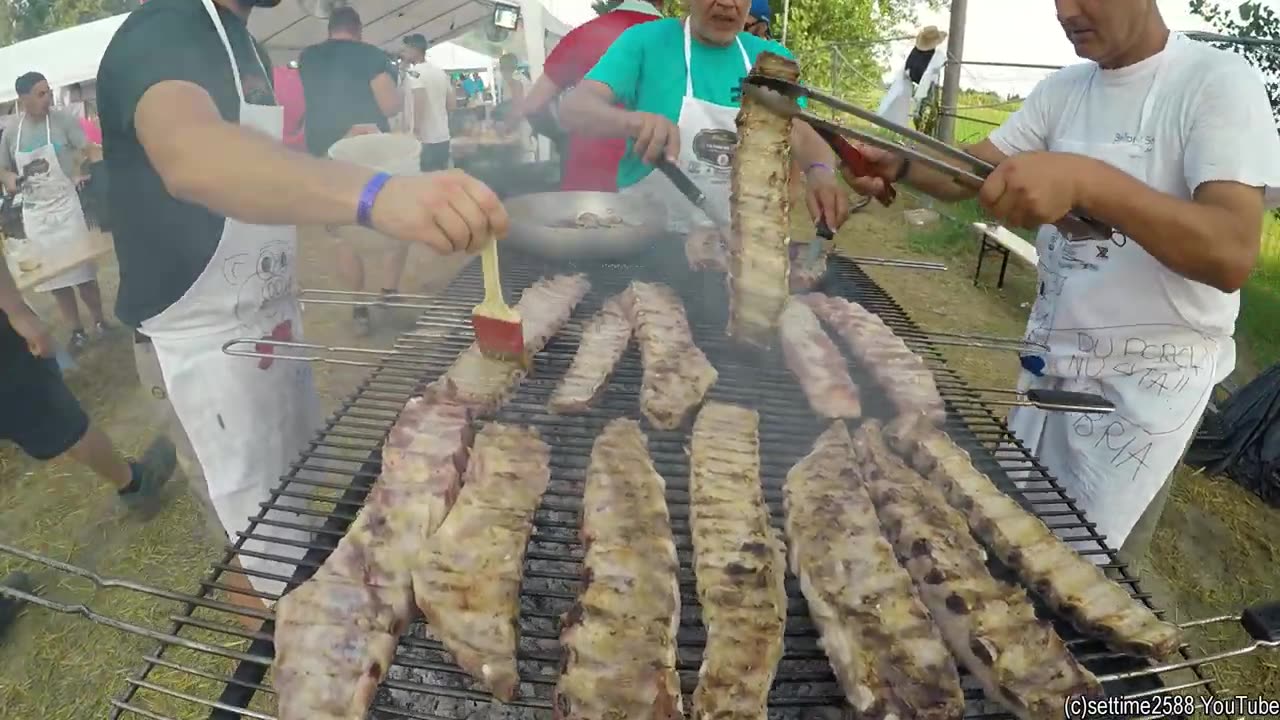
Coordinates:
(368,195)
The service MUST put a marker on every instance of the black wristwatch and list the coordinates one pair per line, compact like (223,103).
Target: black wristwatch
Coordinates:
(903,170)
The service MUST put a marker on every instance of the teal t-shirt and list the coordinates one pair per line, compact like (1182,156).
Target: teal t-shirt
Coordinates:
(645,68)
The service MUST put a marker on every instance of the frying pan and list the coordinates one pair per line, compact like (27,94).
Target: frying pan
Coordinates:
(537,220)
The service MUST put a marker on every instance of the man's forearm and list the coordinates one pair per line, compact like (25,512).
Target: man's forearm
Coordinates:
(809,149)
(249,176)
(587,113)
(11,301)
(544,90)
(937,184)
(1199,241)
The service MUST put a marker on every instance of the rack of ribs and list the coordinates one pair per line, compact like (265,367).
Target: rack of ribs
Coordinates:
(604,340)
(677,375)
(483,382)
(760,209)
(619,638)
(1074,587)
(817,364)
(336,634)
(739,561)
(466,580)
(901,373)
(989,625)
(882,643)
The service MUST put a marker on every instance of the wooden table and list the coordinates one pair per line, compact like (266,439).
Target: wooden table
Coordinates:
(97,246)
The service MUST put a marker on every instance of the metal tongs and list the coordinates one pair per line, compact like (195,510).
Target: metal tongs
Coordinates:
(779,97)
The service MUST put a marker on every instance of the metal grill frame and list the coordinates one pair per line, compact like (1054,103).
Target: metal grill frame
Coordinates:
(363,420)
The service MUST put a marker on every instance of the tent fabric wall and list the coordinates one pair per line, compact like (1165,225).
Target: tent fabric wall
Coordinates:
(65,57)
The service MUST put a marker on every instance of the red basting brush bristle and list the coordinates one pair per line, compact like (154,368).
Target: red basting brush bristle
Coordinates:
(499,332)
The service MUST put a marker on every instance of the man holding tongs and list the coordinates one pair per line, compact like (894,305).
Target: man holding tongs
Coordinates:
(1170,142)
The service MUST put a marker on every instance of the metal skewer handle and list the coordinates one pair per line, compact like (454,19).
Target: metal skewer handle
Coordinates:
(1052,400)
(891,262)
(363,299)
(984,342)
(231,347)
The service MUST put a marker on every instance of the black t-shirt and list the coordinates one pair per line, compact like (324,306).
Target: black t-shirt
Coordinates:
(335,83)
(917,62)
(163,243)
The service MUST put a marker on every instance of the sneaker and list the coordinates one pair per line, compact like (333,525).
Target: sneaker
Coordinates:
(151,473)
(10,606)
(75,345)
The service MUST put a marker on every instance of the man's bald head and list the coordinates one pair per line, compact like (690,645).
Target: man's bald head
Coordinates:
(1113,33)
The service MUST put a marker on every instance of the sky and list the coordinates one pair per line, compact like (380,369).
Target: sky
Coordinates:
(1022,31)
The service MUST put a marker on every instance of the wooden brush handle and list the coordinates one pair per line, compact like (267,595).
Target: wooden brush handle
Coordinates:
(492,278)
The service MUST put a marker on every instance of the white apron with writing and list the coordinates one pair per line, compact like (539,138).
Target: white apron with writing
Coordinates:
(1098,310)
(708,135)
(51,212)
(247,419)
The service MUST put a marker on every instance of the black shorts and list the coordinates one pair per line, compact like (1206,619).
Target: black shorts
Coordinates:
(435,156)
(37,410)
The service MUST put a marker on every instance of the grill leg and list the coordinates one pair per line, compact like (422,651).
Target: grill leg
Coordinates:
(982,253)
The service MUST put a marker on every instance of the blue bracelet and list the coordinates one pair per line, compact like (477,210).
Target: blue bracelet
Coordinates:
(368,195)
(818,165)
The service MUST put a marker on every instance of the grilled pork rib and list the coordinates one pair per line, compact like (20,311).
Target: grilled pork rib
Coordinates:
(336,634)
(760,205)
(705,250)
(677,375)
(990,626)
(467,579)
(604,340)
(900,372)
(740,562)
(817,364)
(482,382)
(882,643)
(1074,587)
(619,639)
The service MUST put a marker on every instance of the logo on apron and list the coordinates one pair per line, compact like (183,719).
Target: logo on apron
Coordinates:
(715,148)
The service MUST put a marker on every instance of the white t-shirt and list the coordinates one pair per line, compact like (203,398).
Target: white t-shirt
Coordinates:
(1208,118)
(434,128)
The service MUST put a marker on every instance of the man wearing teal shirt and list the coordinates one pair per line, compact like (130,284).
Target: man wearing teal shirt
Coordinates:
(670,87)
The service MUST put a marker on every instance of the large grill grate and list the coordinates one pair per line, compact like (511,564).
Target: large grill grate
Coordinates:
(220,670)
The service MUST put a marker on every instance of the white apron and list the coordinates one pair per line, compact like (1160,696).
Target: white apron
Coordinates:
(1097,310)
(247,419)
(709,170)
(51,213)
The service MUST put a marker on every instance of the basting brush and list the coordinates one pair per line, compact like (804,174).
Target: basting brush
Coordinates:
(499,332)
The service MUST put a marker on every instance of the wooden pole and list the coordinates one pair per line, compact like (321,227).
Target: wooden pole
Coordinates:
(951,75)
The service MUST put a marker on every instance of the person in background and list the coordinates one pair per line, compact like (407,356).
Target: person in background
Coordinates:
(208,198)
(510,87)
(349,90)
(591,163)
(42,155)
(287,82)
(664,84)
(433,100)
(39,414)
(758,19)
(1172,142)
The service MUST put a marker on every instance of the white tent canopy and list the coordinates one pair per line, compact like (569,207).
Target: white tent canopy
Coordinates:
(65,57)
(451,56)
(287,29)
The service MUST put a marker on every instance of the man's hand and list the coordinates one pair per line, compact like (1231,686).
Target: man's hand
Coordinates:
(449,211)
(30,327)
(825,198)
(656,137)
(1033,189)
(10,181)
(881,163)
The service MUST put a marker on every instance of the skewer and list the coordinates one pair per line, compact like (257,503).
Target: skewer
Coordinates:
(1074,226)
(974,341)
(229,347)
(1053,400)
(890,262)
(374,299)
(1261,622)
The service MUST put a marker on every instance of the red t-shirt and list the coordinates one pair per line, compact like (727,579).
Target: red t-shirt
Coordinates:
(592,162)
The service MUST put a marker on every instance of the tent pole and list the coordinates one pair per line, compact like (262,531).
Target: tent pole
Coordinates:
(786,15)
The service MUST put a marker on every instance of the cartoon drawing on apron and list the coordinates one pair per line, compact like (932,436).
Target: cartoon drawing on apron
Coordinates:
(708,135)
(1132,348)
(51,212)
(247,419)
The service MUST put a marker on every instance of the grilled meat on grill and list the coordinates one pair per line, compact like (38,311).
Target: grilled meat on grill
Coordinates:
(677,375)
(1076,588)
(483,382)
(336,634)
(900,372)
(740,562)
(604,340)
(705,249)
(759,267)
(990,626)
(817,364)
(806,275)
(882,643)
(619,639)
(467,579)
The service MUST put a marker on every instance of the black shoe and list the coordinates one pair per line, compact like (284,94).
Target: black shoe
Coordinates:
(10,607)
(150,474)
(79,338)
